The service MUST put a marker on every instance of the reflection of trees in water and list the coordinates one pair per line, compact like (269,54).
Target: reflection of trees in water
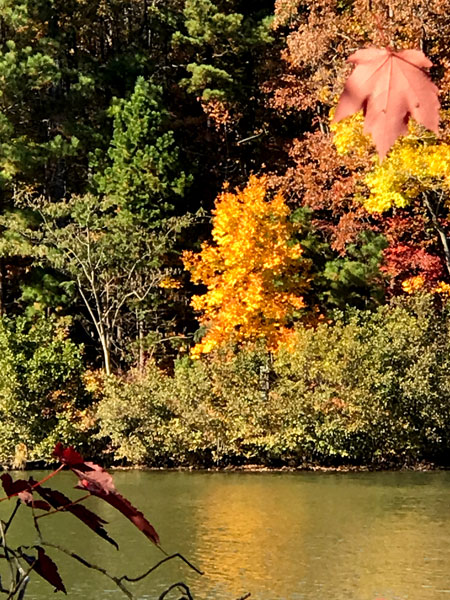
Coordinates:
(343,536)
(284,536)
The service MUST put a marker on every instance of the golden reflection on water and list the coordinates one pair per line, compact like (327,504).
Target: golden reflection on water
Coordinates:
(243,530)
(278,536)
(333,536)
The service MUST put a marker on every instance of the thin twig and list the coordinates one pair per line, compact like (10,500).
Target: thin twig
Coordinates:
(180,585)
(22,582)
(161,562)
(83,561)
(7,553)
(13,514)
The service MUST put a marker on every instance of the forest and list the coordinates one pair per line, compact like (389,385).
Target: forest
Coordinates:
(199,266)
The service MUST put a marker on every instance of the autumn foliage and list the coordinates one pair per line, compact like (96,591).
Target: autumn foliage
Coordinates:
(319,37)
(112,144)
(253,269)
(389,87)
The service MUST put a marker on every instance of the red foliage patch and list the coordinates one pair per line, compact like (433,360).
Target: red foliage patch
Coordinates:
(68,456)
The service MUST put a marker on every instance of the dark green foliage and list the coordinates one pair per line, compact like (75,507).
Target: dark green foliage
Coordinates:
(355,279)
(143,174)
(220,44)
(352,280)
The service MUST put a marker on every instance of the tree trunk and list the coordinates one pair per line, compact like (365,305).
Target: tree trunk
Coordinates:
(438,227)
(106,354)
(140,328)
(2,287)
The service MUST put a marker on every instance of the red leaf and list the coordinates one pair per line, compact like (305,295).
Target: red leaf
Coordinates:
(89,518)
(69,456)
(136,517)
(99,483)
(389,87)
(22,490)
(46,568)
(13,488)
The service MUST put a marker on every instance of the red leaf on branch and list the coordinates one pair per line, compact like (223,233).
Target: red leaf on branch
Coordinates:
(22,490)
(13,488)
(59,501)
(389,87)
(46,568)
(68,456)
(99,483)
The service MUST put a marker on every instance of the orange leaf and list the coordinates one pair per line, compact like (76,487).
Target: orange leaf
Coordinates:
(390,87)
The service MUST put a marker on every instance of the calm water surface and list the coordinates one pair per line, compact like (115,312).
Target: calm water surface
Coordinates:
(282,536)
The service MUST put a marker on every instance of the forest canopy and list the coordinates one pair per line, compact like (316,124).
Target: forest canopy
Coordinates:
(180,182)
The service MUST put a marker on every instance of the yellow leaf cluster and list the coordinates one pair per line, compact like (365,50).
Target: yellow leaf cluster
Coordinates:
(415,164)
(413,284)
(417,283)
(348,136)
(411,169)
(170,283)
(253,270)
(442,288)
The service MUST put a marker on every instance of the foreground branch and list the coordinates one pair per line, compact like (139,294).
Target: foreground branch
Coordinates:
(161,562)
(83,561)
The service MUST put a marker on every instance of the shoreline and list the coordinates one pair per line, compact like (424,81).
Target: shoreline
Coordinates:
(420,467)
(254,468)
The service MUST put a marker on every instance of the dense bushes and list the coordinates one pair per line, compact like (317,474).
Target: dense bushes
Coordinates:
(371,388)
(209,412)
(42,395)
(367,389)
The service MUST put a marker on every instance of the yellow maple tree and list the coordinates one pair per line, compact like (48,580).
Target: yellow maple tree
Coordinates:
(253,270)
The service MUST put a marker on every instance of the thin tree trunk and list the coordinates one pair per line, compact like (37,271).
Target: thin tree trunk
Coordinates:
(440,230)
(140,329)
(2,286)
(106,354)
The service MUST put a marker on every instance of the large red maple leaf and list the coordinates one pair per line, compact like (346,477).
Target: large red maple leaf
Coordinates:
(389,87)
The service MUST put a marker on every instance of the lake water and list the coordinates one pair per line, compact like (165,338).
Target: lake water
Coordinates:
(279,536)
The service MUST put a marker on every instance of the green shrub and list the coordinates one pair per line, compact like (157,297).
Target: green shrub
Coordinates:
(373,388)
(370,388)
(42,396)
(134,420)
(206,413)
